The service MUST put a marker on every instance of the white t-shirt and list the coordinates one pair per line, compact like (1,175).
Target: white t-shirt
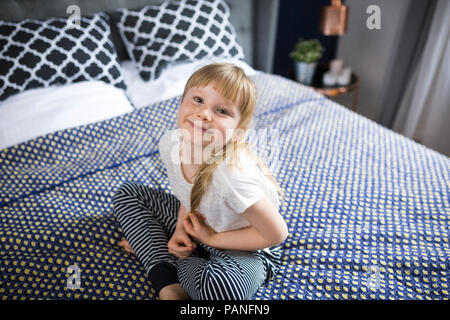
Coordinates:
(231,192)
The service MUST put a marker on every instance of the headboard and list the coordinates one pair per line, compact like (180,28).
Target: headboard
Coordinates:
(255,21)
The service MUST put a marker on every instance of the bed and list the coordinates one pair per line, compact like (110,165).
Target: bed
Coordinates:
(367,209)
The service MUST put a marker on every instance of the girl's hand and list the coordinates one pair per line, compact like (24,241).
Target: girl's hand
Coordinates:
(195,226)
(180,244)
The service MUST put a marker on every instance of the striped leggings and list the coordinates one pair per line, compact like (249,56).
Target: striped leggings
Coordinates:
(148,219)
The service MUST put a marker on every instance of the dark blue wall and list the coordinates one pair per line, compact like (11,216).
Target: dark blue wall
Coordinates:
(299,18)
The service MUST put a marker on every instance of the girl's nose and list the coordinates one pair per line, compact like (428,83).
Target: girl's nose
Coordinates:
(204,114)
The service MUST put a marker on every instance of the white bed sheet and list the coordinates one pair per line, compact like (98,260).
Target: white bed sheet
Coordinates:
(37,112)
(170,84)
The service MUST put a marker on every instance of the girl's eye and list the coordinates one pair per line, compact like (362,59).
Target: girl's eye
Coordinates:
(222,111)
(198,99)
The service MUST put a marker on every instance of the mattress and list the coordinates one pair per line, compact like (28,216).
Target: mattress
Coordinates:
(367,209)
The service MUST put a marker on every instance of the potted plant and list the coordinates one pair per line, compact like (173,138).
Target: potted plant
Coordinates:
(305,55)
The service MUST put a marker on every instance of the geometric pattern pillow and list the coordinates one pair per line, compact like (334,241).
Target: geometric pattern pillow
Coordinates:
(40,53)
(175,31)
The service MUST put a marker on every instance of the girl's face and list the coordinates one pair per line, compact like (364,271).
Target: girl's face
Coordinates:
(207,117)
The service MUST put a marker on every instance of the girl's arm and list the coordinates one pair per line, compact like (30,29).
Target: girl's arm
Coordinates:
(246,239)
(267,229)
(181,214)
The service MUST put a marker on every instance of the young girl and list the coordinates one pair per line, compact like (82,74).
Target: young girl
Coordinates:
(220,236)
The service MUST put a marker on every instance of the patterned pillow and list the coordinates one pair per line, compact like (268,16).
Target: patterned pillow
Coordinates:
(185,30)
(40,53)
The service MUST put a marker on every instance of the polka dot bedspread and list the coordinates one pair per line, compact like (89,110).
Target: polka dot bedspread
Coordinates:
(367,209)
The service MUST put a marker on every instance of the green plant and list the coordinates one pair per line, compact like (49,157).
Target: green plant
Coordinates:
(307,51)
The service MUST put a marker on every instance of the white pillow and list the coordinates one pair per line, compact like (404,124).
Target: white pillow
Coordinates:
(37,112)
(170,83)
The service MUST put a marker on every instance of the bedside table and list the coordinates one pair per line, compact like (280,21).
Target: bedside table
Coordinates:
(332,91)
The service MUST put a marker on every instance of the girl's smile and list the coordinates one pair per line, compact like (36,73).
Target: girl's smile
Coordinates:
(197,124)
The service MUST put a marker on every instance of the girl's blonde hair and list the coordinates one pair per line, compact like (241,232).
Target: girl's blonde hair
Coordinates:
(232,84)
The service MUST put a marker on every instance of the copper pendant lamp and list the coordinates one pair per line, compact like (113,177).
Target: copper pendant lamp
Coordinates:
(333,19)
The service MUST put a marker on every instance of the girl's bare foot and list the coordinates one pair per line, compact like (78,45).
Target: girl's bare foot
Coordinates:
(173,291)
(125,245)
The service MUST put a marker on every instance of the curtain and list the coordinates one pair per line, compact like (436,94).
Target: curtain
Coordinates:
(424,112)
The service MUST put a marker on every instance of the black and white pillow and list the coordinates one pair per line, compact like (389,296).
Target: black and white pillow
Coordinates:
(185,30)
(40,53)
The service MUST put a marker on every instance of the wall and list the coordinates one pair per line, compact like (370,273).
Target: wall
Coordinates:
(372,53)
(299,19)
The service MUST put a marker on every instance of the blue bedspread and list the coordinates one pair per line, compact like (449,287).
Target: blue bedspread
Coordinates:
(367,209)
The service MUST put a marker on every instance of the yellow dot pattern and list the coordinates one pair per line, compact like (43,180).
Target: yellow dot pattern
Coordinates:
(367,209)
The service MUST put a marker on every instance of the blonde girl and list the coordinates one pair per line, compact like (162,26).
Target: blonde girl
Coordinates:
(219,237)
